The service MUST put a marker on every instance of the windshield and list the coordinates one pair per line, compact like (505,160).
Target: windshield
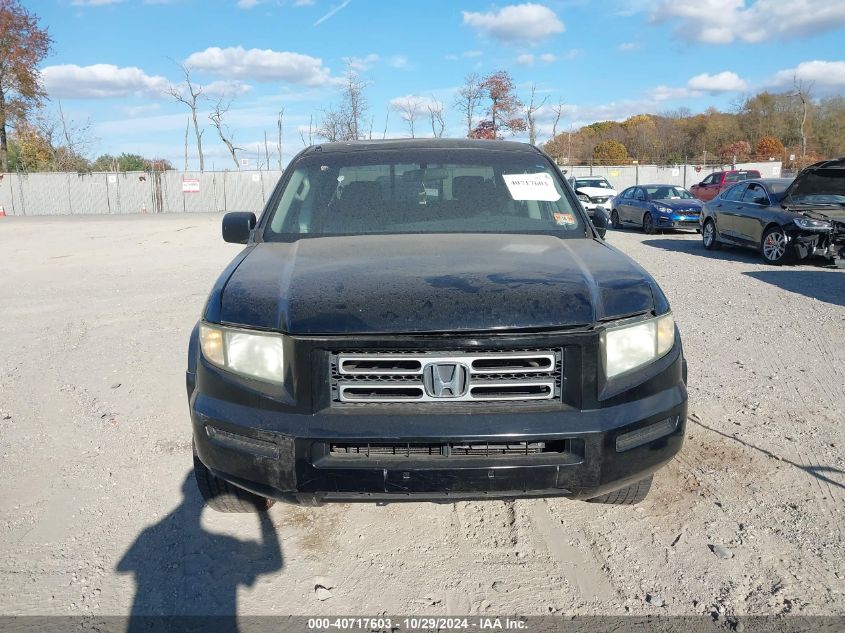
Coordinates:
(423,191)
(667,192)
(598,183)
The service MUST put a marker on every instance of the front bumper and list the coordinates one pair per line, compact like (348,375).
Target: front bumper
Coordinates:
(678,221)
(288,455)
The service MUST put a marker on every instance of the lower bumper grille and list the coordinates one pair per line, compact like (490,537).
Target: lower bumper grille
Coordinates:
(469,449)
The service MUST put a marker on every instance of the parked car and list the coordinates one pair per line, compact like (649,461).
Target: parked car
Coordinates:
(655,208)
(435,320)
(593,191)
(783,219)
(710,187)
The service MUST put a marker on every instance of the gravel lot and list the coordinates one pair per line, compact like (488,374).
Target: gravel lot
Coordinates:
(96,516)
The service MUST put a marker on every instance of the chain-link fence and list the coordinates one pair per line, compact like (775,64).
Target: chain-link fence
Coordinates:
(181,192)
(135,192)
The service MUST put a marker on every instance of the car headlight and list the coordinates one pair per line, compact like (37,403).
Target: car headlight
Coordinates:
(254,354)
(628,347)
(583,197)
(811,224)
(661,209)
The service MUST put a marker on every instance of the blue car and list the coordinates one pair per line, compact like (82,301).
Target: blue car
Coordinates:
(655,208)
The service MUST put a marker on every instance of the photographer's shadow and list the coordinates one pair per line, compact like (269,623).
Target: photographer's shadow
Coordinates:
(180,569)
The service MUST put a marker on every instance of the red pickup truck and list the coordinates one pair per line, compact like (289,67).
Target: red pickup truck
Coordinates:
(710,187)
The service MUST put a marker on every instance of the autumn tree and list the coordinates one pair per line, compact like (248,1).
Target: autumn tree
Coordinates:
(735,152)
(505,109)
(23,46)
(770,147)
(610,152)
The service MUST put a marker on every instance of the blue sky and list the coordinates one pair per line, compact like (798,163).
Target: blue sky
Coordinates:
(112,60)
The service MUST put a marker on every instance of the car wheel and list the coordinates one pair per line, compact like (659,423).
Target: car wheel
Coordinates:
(648,224)
(222,496)
(708,236)
(775,246)
(614,220)
(627,496)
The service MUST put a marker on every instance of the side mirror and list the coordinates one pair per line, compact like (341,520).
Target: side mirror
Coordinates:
(600,220)
(237,226)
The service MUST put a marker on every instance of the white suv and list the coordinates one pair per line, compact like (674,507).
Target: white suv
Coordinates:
(593,191)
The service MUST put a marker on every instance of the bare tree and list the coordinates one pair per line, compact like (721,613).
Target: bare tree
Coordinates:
(187,127)
(530,113)
(279,142)
(438,121)
(558,110)
(469,98)
(216,118)
(354,106)
(266,151)
(386,120)
(803,90)
(310,140)
(189,94)
(409,108)
(332,127)
(69,142)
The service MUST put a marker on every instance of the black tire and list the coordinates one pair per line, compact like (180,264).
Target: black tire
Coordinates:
(774,247)
(221,496)
(614,220)
(627,496)
(708,236)
(648,224)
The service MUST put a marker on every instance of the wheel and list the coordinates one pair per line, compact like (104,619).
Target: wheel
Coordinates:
(775,246)
(222,496)
(648,224)
(627,496)
(708,236)
(614,220)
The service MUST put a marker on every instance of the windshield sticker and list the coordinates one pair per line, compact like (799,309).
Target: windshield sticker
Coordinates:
(565,219)
(531,187)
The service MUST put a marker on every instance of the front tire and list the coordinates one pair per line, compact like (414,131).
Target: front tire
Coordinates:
(648,224)
(775,246)
(708,236)
(221,496)
(614,220)
(627,496)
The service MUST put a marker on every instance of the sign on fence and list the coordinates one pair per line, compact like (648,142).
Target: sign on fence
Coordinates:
(190,185)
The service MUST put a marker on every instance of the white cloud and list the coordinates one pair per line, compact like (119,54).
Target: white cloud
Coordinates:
(825,76)
(139,110)
(226,87)
(99,81)
(526,59)
(398,61)
(527,22)
(721,82)
(627,47)
(261,65)
(548,58)
(248,4)
(465,54)
(667,93)
(725,21)
(361,63)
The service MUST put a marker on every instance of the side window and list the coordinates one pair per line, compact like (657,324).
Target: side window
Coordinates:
(626,193)
(639,194)
(734,193)
(755,194)
(709,180)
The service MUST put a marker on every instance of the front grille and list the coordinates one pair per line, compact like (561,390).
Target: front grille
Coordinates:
(470,449)
(387,377)
(599,199)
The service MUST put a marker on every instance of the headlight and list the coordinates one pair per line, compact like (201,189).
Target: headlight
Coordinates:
(627,347)
(254,354)
(662,209)
(810,224)
(583,197)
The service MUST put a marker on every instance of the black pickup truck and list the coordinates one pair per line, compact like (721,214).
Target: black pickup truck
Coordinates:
(430,320)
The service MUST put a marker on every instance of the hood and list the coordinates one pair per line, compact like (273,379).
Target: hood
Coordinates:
(372,284)
(679,204)
(596,192)
(824,178)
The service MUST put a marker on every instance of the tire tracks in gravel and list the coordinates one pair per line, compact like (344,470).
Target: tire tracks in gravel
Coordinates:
(578,564)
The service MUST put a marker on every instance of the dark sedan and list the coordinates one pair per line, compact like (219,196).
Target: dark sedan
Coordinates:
(783,219)
(655,207)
